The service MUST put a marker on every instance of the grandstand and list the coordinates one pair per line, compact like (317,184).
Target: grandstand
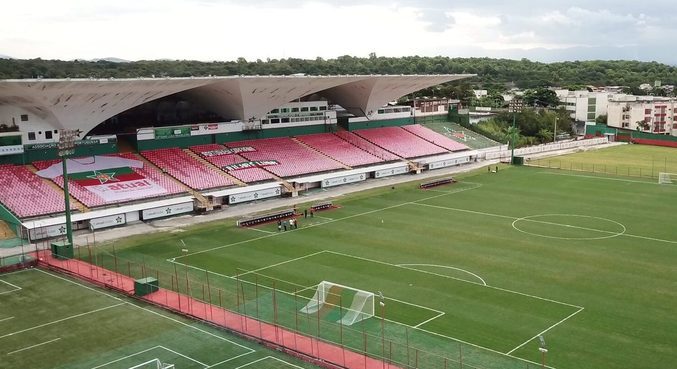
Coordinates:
(22,187)
(400,142)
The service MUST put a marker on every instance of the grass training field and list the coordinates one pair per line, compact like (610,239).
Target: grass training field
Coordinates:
(473,271)
(48,321)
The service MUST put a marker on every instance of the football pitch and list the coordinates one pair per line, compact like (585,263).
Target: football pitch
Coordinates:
(474,271)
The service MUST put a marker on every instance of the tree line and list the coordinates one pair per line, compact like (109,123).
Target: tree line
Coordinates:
(492,74)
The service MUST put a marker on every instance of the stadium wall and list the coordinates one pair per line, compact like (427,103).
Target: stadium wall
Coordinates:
(349,125)
(49,151)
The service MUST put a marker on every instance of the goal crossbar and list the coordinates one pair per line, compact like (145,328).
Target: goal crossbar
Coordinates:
(361,305)
(667,178)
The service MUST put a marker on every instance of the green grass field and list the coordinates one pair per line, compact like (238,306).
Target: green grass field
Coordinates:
(477,270)
(48,321)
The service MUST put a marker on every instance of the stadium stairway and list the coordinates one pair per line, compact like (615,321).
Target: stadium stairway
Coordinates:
(319,152)
(204,202)
(52,184)
(213,167)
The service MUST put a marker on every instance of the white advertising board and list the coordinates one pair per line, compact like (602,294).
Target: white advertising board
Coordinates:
(48,231)
(449,162)
(390,172)
(107,221)
(165,211)
(337,181)
(254,195)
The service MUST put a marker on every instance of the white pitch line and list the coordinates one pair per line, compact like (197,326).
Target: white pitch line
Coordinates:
(545,330)
(16,288)
(599,177)
(260,230)
(329,221)
(280,263)
(446,267)
(5,319)
(231,359)
(125,357)
(62,320)
(268,357)
(184,356)
(455,278)
(428,320)
(33,346)
(149,311)
(317,216)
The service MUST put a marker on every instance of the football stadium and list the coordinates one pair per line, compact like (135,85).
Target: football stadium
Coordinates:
(320,221)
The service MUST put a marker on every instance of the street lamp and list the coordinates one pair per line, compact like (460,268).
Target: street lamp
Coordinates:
(66,148)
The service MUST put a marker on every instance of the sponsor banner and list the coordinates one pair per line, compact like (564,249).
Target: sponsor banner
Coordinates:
(108,221)
(250,164)
(449,162)
(165,211)
(254,195)
(127,190)
(172,132)
(234,150)
(54,145)
(11,150)
(391,172)
(47,232)
(337,181)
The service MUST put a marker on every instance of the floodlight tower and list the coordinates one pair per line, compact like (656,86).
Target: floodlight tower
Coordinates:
(67,148)
(383,335)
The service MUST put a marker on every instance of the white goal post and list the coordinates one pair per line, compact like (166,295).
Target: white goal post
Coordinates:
(666,178)
(153,364)
(328,295)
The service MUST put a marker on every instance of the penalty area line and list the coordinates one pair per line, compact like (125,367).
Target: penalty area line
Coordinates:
(33,346)
(544,331)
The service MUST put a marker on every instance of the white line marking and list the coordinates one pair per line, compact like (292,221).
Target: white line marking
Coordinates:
(544,222)
(599,177)
(428,320)
(125,357)
(445,267)
(477,185)
(33,346)
(269,357)
(454,278)
(542,332)
(280,263)
(62,320)
(149,311)
(184,356)
(418,306)
(260,230)
(5,319)
(15,287)
(230,359)
(317,216)
(610,234)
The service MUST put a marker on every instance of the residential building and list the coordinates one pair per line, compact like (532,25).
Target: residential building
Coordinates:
(652,114)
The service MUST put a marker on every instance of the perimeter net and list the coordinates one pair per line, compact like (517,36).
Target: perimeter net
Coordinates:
(353,305)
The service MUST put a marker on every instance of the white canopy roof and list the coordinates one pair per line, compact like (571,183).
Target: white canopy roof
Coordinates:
(85,103)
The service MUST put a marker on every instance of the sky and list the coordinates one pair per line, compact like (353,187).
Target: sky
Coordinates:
(210,30)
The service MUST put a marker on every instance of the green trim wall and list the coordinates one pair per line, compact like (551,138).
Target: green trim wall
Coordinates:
(438,118)
(8,216)
(182,142)
(30,155)
(351,126)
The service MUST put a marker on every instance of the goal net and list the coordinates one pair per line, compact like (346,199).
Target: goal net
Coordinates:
(666,178)
(153,364)
(354,304)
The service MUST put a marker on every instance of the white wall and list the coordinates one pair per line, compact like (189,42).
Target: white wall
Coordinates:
(11,115)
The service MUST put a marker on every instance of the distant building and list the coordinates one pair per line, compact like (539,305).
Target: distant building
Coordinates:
(645,113)
(583,105)
(480,93)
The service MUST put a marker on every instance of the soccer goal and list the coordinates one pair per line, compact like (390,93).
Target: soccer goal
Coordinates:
(666,178)
(153,364)
(329,296)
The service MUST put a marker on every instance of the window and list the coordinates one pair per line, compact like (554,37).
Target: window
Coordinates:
(24,117)
(48,135)
(274,111)
(294,110)
(31,136)
(284,110)
(305,108)
(275,120)
(285,120)
(381,111)
(323,108)
(313,108)
(647,111)
(264,121)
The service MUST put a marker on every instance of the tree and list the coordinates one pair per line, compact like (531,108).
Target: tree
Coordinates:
(541,96)
(601,119)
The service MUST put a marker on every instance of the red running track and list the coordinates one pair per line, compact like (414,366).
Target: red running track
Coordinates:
(313,348)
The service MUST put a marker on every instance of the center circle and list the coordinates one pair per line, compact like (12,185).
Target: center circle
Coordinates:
(543,219)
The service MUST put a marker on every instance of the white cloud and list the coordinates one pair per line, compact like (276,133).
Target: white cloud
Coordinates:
(225,30)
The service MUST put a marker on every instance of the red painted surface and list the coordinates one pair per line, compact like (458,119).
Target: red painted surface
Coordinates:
(305,347)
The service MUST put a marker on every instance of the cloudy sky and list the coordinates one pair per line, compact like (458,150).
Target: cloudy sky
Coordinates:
(258,29)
